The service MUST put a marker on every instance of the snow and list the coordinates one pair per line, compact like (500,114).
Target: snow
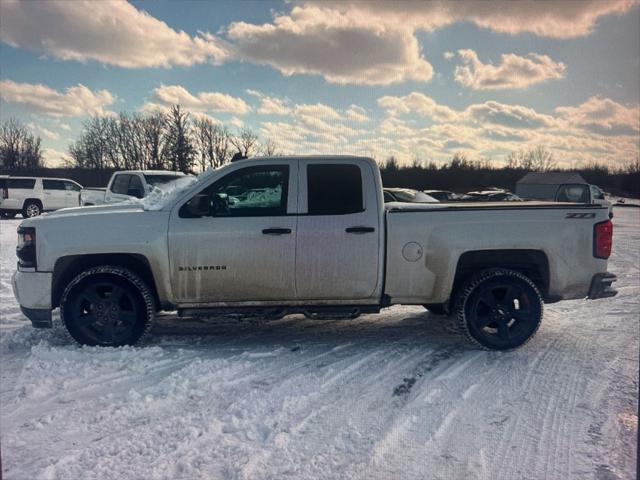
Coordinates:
(397,395)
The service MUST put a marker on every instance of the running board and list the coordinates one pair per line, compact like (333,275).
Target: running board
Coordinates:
(276,312)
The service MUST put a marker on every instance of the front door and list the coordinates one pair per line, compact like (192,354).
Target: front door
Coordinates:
(242,248)
(339,233)
(55,194)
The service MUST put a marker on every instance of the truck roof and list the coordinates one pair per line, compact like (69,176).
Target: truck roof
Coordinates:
(152,172)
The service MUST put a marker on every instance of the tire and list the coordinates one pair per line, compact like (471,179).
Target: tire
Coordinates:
(499,309)
(92,317)
(31,209)
(435,308)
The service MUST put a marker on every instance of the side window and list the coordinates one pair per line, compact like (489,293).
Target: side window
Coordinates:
(135,187)
(249,192)
(53,185)
(72,186)
(21,183)
(120,184)
(596,193)
(334,189)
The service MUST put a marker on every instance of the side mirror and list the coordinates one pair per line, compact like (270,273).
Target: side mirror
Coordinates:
(220,204)
(198,206)
(135,192)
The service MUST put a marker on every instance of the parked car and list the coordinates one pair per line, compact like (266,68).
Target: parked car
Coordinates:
(442,195)
(321,243)
(31,196)
(491,196)
(126,185)
(407,195)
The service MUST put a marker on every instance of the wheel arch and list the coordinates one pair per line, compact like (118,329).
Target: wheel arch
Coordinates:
(66,268)
(534,264)
(29,200)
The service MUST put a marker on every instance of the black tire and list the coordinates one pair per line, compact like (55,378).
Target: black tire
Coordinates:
(435,308)
(31,208)
(499,309)
(92,317)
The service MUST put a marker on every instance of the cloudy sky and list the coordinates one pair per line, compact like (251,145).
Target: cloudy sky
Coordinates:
(415,80)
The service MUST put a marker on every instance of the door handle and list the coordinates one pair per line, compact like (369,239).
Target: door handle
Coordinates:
(276,231)
(360,230)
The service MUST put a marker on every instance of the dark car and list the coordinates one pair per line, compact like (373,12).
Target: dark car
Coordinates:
(407,195)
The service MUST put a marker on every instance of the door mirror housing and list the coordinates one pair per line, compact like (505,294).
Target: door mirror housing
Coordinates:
(198,206)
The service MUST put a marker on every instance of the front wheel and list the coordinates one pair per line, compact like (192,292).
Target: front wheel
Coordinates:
(499,309)
(108,306)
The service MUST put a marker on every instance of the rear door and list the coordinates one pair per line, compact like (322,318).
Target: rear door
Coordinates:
(244,249)
(18,190)
(338,242)
(54,193)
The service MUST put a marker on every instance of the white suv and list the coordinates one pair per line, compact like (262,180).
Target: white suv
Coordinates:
(33,195)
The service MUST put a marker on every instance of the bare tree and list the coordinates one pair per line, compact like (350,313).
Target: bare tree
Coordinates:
(95,148)
(246,142)
(538,159)
(178,148)
(270,148)
(152,133)
(19,147)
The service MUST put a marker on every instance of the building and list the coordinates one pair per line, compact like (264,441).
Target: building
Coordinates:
(545,185)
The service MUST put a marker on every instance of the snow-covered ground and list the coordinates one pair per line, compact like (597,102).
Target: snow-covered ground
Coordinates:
(397,395)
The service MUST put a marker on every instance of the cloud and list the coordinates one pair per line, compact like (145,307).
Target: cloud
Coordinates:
(110,32)
(515,116)
(318,110)
(356,114)
(557,19)
(45,132)
(448,55)
(603,116)
(324,41)
(270,105)
(418,103)
(75,101)
(512,72)
(55,158)
(167,95)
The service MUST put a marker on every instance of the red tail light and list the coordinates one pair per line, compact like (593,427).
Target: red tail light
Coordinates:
(602,239)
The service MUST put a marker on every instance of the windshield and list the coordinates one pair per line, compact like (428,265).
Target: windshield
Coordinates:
(161,179)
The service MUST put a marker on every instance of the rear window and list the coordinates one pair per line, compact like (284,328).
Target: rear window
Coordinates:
(23,183)
(160,179)
(334,189)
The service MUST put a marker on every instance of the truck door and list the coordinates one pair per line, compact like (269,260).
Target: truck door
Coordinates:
(72,191)
(242,248)
(118,188)
(338,243)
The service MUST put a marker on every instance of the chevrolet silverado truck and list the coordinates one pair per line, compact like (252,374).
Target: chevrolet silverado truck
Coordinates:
(127,185)
(307,235)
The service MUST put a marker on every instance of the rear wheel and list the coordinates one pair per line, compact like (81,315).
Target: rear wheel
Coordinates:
(31,209)
(499,309)
(108,306)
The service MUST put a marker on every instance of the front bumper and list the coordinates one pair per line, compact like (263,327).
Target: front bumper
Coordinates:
(33,292)
(601,286)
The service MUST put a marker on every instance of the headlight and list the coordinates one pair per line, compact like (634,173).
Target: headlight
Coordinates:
(26,249)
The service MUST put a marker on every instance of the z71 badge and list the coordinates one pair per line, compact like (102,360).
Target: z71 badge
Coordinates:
(580,215)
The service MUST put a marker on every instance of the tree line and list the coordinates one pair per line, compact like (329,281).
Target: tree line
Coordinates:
(164,141)
(177,140)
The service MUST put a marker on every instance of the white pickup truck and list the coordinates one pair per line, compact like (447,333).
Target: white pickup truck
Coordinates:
(310,235)
(126,185)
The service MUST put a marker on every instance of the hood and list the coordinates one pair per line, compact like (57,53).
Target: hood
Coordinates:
(82,212)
